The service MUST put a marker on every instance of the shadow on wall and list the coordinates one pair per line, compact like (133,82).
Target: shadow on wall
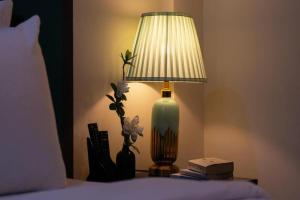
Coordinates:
(227,132)
(190,95)
(225,107)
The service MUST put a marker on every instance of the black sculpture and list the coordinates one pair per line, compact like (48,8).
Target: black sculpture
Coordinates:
(101,166)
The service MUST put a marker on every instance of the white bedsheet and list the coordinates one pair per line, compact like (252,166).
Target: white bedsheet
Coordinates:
(149,188)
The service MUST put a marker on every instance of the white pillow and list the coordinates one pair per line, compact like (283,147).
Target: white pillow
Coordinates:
(30,156)
(5,12)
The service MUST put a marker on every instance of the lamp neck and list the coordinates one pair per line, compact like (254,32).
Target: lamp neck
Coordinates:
(166,91)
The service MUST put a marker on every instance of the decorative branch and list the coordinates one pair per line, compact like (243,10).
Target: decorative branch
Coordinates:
(130,130)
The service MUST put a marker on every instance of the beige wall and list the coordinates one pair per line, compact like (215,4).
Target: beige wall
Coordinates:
(251,100)
(103,29)
(193,8)
(252,112)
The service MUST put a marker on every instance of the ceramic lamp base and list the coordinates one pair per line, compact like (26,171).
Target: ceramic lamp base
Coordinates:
(162,170)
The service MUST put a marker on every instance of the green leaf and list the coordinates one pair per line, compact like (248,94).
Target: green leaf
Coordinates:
(120,99)
(112,106)
(111,98)
(132,57)
(114,87)
(119,104)
(128,54)
(123,97)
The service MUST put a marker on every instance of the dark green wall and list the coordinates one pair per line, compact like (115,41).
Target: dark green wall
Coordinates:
(56,39)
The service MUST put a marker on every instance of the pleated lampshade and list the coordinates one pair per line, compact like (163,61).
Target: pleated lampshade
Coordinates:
(167,49)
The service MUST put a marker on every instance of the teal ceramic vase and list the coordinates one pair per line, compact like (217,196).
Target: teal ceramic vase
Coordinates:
(164,136)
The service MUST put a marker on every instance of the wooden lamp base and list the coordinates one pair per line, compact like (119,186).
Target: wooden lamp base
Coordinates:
(162,170)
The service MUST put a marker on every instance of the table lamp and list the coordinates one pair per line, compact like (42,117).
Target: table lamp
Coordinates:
(166,49)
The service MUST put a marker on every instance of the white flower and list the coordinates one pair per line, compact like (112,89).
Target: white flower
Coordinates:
(122,87)
(132,129)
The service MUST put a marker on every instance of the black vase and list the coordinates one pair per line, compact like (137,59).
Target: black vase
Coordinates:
(101,166)
(126,163)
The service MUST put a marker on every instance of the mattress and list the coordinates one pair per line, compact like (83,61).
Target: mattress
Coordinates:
(149,188)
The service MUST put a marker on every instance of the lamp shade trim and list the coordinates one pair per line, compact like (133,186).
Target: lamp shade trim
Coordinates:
(166,14)
(171,79)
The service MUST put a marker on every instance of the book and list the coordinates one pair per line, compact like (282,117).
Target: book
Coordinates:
(211,166)
(181,176)
(198,175)
(188,172)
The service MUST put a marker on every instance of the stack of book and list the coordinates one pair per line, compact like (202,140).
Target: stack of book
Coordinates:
(207,169)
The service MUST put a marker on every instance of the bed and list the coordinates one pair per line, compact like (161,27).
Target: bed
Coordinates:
(149,188)
(31,163)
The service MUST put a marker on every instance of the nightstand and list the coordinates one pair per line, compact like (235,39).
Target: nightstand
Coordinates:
(145,173)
